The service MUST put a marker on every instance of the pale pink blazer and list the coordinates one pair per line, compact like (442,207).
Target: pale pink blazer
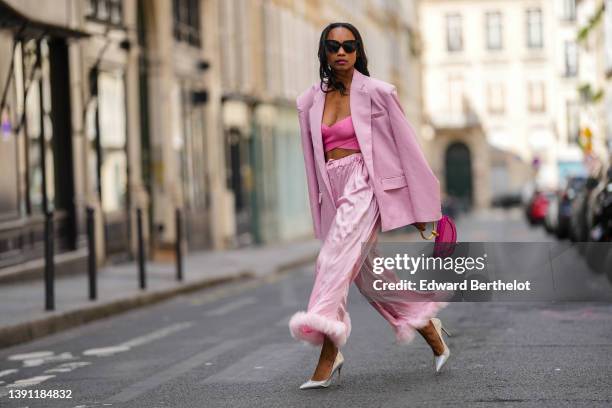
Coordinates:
(406,189)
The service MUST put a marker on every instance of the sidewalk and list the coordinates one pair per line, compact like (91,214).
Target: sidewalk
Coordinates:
(23,317)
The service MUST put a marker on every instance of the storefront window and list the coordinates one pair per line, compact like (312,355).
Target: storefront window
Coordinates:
(92,158)
(105,11)
(186,15)
(8,166)
(113,168)
(32,125)
(192,153)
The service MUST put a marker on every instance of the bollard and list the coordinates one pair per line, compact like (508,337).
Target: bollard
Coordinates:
(141,251)
(49,267)
(91,258)
(178,245)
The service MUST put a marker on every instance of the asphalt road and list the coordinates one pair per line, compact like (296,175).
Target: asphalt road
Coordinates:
(230,347)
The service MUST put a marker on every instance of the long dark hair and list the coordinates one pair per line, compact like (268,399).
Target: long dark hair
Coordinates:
(326,73)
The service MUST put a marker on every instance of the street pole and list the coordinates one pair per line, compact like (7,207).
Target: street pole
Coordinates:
(141,250)
(178,245)
(49,267)
(91,243)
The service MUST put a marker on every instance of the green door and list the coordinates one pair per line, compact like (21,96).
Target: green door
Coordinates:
(458,165)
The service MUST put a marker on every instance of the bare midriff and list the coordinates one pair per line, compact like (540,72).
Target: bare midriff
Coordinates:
(339,153)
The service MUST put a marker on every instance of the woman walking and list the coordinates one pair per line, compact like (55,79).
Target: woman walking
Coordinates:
(365,170)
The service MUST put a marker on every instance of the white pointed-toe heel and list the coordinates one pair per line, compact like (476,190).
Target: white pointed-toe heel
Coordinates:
(440,360)
(338,362)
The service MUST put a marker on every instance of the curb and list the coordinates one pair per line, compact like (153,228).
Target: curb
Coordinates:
(24,332)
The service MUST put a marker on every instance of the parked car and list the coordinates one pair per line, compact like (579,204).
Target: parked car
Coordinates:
(538,206)
(507,200)
(599,211)
(599,220)
(551,219)
(579,231)
(568,193)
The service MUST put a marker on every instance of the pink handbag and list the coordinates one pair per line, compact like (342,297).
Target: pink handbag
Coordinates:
(446,236)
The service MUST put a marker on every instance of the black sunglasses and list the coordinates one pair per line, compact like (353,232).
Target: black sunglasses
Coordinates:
(349,46)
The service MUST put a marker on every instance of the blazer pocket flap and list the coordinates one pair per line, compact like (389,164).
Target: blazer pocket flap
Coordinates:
(378,114)
(389,183)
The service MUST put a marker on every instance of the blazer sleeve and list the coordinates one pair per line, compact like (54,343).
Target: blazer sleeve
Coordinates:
(309,162)
(423,185)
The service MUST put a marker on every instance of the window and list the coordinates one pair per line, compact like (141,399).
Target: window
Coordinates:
(187,21)
(536,95)
(495,98)
(454,35)
(608,38)
(38,125)
(534,28)
(569,10)
(573,121)
(105,11)
(571,59)
(113,139)
(494,30)
(190,146)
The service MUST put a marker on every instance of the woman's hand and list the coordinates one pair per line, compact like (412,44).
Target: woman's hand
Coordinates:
(421,226)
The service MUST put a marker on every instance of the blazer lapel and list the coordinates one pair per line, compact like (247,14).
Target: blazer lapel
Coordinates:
(316,116)
(361,112)
(360,105)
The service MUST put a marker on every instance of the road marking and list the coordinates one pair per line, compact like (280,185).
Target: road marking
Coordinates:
(27,382)
(137,389)
(30,356)
(4,373)
(30,381)
(105,351)
(158,334)
(41,357)
(68,367)
(262,365)
(137,341)
(231,306)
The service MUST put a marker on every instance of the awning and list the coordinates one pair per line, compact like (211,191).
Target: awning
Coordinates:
(12,19)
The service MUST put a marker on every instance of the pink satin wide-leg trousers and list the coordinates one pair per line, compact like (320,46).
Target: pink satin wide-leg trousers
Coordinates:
(342,260)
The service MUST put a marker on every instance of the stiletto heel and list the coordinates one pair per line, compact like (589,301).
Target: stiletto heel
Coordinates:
(440,360)
(445,331)
(338,363)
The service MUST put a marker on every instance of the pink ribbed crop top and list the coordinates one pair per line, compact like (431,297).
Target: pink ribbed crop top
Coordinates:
(340,134)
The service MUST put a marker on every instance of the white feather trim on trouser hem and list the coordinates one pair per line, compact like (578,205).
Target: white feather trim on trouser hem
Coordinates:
(311,328)
(404,334)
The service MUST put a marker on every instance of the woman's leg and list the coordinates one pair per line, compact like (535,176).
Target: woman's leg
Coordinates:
(432,338)
(326,360)
(338,262)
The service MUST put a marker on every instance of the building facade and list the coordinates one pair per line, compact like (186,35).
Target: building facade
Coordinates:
(594,19)
(500,76)
(136,109)
(269,55)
